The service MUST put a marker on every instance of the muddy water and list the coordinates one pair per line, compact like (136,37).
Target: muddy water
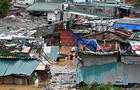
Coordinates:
(62,62)
(19,87)
(67,62)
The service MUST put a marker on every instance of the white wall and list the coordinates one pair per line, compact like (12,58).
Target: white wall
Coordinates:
(79,0)
(51,16)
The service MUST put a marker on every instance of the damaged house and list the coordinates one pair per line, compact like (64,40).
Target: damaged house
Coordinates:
(17,71)
(17,63)
(19,54)
(50,9)
(100,10)
(102,61)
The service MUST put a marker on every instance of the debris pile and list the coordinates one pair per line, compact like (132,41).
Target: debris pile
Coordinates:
(25,21)
(63,78)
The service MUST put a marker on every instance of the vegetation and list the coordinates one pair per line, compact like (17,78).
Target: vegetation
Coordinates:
(38,51)
(32,78)
(137,4)
(4,6)
(32,19)
(96,86)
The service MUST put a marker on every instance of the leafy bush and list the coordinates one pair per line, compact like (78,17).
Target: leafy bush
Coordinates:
(32,18)
(38,51)
(4,6)
(96,86)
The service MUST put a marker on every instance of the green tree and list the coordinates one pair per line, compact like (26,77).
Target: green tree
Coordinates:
(137,4)
(4,6)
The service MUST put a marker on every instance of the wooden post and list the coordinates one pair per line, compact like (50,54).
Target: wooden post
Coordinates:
(26,79)
(116,46)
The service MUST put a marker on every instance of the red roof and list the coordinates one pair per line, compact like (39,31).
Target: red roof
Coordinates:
(26,49)
(67,38)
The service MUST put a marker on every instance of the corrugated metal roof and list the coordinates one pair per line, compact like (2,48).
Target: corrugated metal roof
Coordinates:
(44,7)
(134,21)
(52,1)
(98,4)
(111,1)
(83,14)
(8,67)
(13,8)
(58,0)
(94,73)
(124,6)
(128,23)
(6,38)
(51,52)
(100,74)
(21,5)
(40,0)
(89,14)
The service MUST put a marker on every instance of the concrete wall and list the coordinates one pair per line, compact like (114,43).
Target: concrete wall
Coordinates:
(131,59)
(88,60)
(51,16)
(96,10)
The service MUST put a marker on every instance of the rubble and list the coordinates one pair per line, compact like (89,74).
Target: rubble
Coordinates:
(25,21)
(63,78)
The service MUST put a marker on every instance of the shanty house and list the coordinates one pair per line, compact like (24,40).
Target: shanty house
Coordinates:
(104,67)
(100,10)
(97,65)
(17,71)
(109,35)
(128,23)
(50,9)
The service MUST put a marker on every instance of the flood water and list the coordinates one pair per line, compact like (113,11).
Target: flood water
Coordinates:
(62,62)
(19,87)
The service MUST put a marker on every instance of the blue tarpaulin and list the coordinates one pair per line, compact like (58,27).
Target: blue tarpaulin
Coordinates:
(127,26)
(90,44)
(76,36)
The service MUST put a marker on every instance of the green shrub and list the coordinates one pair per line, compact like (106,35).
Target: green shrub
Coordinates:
(96,86)
(38,51)
(5,6)
(32,18)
